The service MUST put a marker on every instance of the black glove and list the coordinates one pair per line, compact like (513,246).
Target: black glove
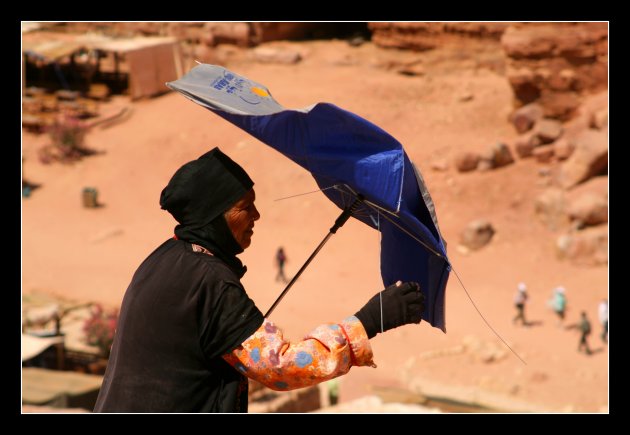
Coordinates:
(401,304)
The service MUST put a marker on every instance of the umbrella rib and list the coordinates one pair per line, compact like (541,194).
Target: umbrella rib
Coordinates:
(482,316)
(376,206)
(361,213)
(305,193)
(377,209)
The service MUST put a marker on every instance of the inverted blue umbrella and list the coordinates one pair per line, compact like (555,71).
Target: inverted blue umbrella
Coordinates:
(357,165)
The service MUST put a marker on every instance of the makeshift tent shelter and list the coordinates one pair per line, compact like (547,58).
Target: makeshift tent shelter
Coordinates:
(147,62)
(151,62)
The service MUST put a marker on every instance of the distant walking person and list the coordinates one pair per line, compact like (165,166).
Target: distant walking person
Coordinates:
(519,303)
(603,319)
(585,331)
(559,303)
(281,258)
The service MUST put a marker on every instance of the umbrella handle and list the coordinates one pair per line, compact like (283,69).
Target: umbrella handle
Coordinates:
(345,215)
(342,219)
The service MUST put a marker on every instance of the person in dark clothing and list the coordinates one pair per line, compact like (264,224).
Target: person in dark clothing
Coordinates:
(188,334)
(585,331)
(281,258)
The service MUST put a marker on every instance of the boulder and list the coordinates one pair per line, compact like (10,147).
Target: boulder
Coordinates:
(544,154)
(562,81)
(559,105)
(466,161)
(588,202)
(563,148)
(585,248)
(525,144)
(599,119)
(590,158)
(495,156)
(547,130)
(502,155)
(525,117)
(477,234)
(528,42)
(550,208)
(589,209)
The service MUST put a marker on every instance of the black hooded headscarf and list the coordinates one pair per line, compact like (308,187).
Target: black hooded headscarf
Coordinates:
(198,195)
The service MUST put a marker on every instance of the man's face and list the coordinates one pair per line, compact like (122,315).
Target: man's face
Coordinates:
(240,219)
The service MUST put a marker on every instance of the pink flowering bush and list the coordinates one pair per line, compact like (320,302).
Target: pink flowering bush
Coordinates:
(100,328)
(67,136)
(67,132)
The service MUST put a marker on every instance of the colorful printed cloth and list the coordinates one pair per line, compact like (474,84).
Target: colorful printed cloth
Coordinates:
(326,353)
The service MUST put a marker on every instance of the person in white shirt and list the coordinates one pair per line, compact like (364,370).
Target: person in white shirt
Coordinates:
(519,302)
(603,319)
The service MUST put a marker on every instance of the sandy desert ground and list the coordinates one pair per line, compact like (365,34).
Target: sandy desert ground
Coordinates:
(91,254)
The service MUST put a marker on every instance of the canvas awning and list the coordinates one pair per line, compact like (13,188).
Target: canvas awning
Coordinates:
(33,346)
(52,50)
(152,61)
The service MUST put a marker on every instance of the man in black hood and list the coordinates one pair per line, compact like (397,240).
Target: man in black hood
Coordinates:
(188,335)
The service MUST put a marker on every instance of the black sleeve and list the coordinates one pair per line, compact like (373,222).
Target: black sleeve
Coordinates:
(230,318)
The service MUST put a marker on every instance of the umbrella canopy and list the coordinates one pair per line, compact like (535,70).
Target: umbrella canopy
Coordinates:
(349,157)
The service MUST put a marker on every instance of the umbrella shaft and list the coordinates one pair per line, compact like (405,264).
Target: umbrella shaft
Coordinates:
(297,275)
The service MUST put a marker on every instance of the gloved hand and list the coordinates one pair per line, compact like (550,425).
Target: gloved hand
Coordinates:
(402,303)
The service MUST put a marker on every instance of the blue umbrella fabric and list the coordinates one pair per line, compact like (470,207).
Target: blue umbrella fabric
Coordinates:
(348,156)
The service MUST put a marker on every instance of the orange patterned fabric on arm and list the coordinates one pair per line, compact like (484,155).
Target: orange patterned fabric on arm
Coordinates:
(327,352)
